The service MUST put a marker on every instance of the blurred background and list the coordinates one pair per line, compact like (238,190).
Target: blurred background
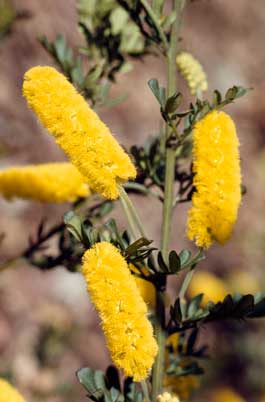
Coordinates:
(48,329)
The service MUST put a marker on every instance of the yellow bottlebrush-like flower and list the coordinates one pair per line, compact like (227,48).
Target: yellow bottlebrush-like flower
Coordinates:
(192,72)
(9,393)
(213,288)
(217,180)
(50,182)
(78,130)
(243,282)
(167,397)
(181,386)
(226,395)
(114,292)
(147,289)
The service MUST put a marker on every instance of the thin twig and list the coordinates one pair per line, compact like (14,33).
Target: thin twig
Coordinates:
(156,23)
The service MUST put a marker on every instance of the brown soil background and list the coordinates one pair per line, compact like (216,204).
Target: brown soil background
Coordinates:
(228,38)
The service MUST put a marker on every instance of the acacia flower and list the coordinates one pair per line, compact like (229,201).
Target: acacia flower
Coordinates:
(147,291)
(49,182)
(217,180)
(213,288)
(85,139)
(146,288)
(192,71)
(9,393)
(226,395)
(167,397)
(122,310)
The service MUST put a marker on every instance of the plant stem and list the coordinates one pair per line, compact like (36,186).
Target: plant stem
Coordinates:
(145,391)
(157,6)
(130,208)
(142,189)
(157,25)
(11,263)
(158,370)
(185,283)
(129,217)
(189,275)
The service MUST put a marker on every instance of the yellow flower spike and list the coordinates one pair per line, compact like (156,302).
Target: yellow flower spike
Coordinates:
(182,386)
(213,288)
(226,395)
(192,72)
(167,397)
(114,292)
(78,130)
(243,282)
(217,180)
(147,291)
(50,182)
(9,393)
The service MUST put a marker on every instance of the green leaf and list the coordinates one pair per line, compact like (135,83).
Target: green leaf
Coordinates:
(259,309)
(184,256)
(154,86)
(60,47)
(99,379)
(169,20)
(161,262)
(231,94)
(142,242)
(118,19)
(73,224)
(217,98)
(162,96)
(173,102)
(242,91)
(174,262)
(194,305)
(138,397)
(86,378)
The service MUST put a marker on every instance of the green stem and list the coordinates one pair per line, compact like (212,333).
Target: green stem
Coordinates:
(189,275)
(129,217)
(158,370)
(156,23)
(11,263)
(186,283)
(142,189)
(130,208)
(157,6)
(145,391)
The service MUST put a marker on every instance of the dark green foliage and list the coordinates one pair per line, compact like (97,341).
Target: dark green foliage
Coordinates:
(184,358)
(198,110)
(106,387)
(70,249)
(184,316)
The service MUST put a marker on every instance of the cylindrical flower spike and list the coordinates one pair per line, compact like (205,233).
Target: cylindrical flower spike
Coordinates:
(217,180)
(49,182)
(192,72)
(226,395)
(78,130)
(213,288)
(167,397)
(9,393)
(114,292)
(147,291)
(146,288)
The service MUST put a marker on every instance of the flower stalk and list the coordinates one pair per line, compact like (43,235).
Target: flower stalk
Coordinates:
(158,369)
